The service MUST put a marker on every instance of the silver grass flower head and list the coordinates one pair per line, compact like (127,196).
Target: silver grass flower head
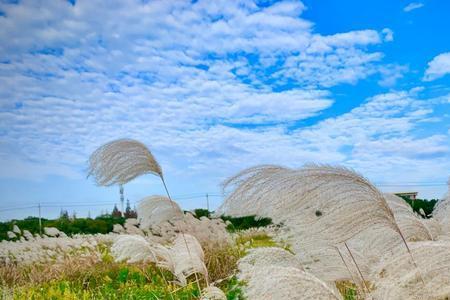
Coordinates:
(312,197)
(266,256)
(16,229)
(155,210)
(398,278)
(274,273)
(132,248)
(412,226)
(120,161)
(213,293)
(275,283)
(188,258)
(441,213)
(51,231)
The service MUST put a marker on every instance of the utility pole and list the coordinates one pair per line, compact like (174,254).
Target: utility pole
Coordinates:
(121,199)
(40,221)
(207,202)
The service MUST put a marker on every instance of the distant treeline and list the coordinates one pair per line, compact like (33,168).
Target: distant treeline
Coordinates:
(104,223)
(101,224)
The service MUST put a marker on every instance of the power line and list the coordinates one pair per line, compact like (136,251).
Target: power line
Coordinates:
(193,196)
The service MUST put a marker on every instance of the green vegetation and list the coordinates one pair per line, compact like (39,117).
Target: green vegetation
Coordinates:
(117,282)
(240,223)
(247,222)
(426,205)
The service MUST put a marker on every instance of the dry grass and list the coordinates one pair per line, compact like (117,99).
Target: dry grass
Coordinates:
(221,261)
(69,268)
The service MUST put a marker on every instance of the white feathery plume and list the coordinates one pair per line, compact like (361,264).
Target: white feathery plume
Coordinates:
(441,213)
(332,263)
(183,258)
(132,249)
(16,229)
(117,228)
(396,278)
(412,226)
(322,206)
(434,227)
(187,257)
(51,231)
(213,293)
(271,274)
(331,203)
(28,235)
(120,161)
(257,258)
(379,240)
(274,283)
(155,210)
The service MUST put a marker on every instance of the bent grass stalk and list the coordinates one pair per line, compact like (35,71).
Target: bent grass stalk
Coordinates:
(120,161)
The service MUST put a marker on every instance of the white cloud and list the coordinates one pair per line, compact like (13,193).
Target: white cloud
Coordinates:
(412,6)
(200,84)
(391,73)
(438,67)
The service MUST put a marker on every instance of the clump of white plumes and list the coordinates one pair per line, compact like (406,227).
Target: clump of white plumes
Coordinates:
(310,199)
(117,228)
(323,207)
(155,210)
(441,214)
(133,248)
(377,241)
(51,231)
(260,257)
(44,250)
(183,257)
(209,232)
(28,235)
(16,230)
(412,226)
(274,283)
(274,274)
(397,278)
(131,227)
(213,293)
(187,258)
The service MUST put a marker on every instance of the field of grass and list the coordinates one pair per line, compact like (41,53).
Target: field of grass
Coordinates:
(82,278)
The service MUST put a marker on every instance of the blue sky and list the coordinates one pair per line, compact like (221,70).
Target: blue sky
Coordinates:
(216,86)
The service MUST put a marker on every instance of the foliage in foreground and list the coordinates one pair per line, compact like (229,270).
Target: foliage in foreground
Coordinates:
(81,278)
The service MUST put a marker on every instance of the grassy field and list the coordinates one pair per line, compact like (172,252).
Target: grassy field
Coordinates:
(80,277)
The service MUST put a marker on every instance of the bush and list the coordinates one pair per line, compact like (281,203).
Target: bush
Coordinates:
(426,205)
(243,223)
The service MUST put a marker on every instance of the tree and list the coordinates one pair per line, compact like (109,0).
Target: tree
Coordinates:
(116,212)
(64,214)
(129,213)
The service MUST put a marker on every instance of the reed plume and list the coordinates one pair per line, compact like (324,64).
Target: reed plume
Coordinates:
(120,161)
